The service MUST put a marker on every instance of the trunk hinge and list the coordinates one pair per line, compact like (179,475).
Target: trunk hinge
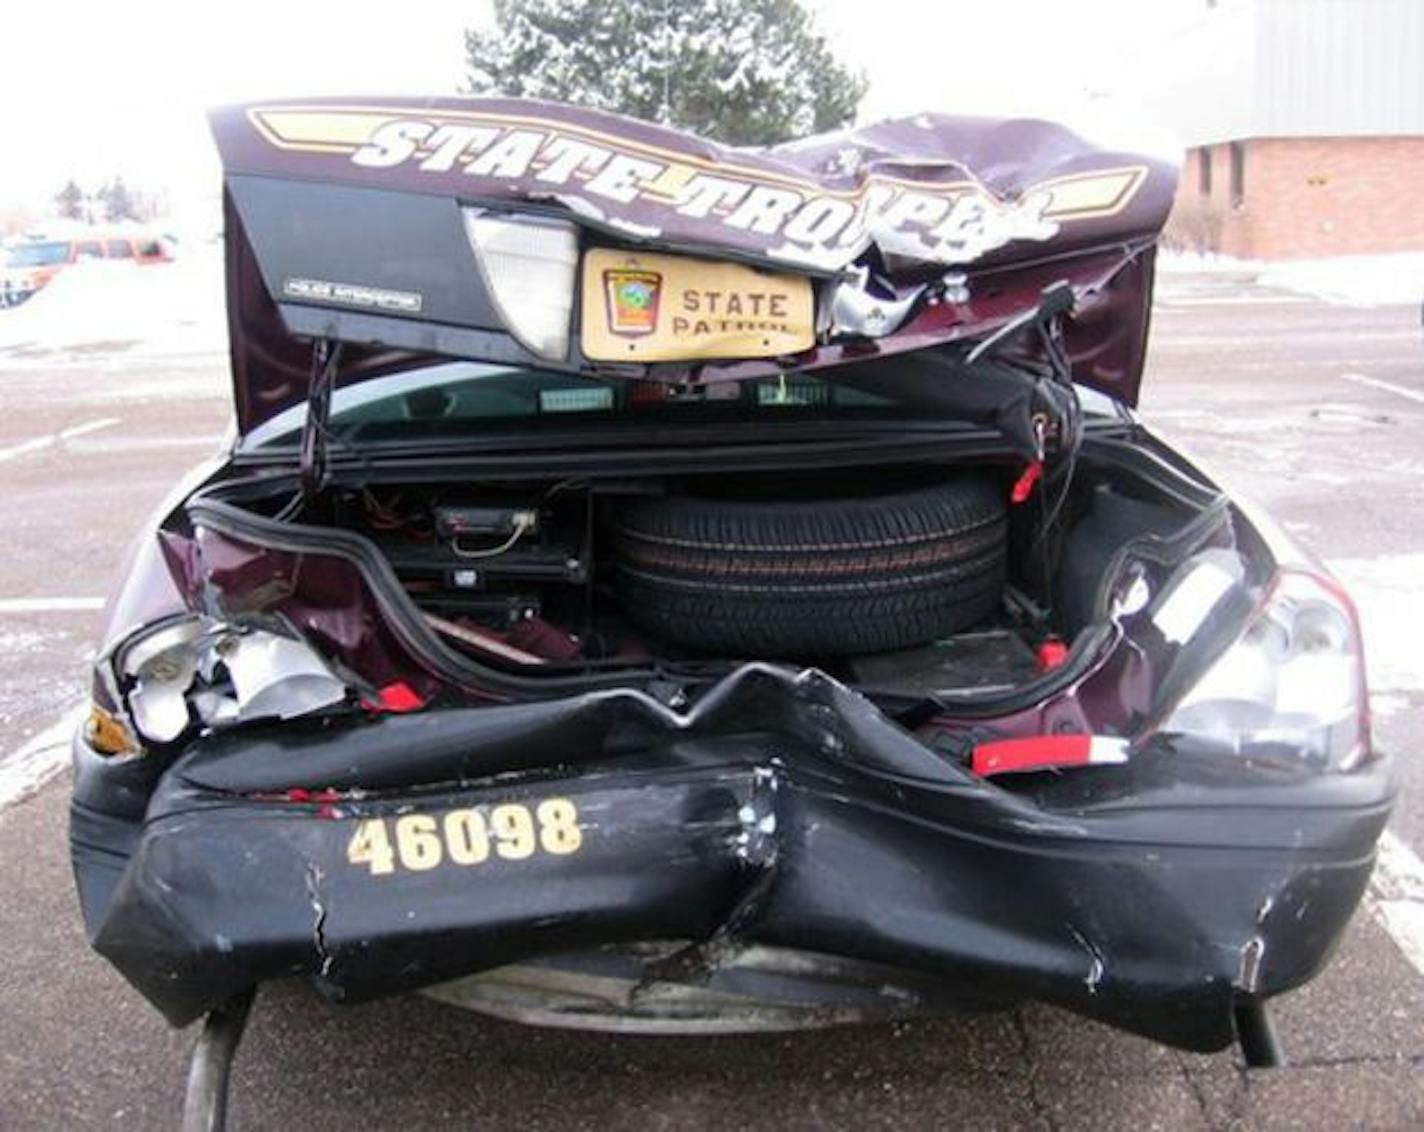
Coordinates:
(1055,301)
(1054,401)
(326,355)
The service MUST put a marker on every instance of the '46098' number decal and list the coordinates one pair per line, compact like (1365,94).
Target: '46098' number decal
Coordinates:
(420,842)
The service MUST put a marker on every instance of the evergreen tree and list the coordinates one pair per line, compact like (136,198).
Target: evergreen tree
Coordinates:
(119,203)
(746,72)
(69,201)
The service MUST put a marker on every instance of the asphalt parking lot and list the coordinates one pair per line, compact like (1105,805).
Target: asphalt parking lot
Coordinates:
(1314,410)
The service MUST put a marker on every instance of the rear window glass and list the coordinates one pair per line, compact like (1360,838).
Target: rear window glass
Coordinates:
(463,397)
(452,400)
(119,249)
(89,249)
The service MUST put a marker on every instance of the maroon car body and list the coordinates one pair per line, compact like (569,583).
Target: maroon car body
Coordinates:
(308,756)
(1016,204)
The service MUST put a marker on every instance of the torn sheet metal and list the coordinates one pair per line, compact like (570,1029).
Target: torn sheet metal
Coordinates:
(347,222)
(227,672)
(933,188)
(384,854)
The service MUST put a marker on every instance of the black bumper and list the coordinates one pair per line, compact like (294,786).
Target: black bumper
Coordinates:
(783,812)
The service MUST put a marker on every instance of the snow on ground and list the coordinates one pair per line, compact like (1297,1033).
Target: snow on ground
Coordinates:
(24,771)
(122,309)
(1357,280)
(1360,280)
(1193,263)
(1387,593)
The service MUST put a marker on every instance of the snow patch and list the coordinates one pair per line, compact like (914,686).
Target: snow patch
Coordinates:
(38,760)
(1364,280)
(1386,592)
(1201,263)
(1387,703)
(134,310)
(22,641)
(1361,280)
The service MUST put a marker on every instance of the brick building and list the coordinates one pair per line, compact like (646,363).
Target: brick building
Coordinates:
(1304,121)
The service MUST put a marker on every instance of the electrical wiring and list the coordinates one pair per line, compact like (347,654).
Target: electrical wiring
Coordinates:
(522,524)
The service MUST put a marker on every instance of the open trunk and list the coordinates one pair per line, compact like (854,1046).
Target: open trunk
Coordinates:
(926,582)
(957,272)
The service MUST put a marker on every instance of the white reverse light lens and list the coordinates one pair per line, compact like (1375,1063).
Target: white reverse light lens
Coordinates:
(197,671)
(278,676)
(1293,684)
(161,667)
(528,268)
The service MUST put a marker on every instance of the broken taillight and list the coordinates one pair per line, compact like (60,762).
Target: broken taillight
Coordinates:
(109,735)
(171,679)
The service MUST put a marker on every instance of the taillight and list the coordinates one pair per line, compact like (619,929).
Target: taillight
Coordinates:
(528,269)
(1291,686)
(171,680)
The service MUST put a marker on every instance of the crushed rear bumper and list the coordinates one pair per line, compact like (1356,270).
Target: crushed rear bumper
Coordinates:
(782,816)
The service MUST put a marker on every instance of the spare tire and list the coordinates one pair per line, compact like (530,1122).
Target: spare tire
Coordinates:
(813,578)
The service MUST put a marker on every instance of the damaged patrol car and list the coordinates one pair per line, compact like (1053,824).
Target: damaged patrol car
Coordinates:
(658,586)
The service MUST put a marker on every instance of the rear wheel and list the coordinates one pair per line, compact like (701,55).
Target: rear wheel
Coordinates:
(816,578)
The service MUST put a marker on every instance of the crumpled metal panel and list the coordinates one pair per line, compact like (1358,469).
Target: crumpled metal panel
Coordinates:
(930,188)
(344,221)
(783,810)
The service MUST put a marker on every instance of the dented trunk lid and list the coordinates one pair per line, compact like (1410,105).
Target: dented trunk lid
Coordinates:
(380,224)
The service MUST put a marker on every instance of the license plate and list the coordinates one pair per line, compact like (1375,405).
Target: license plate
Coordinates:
(647,307)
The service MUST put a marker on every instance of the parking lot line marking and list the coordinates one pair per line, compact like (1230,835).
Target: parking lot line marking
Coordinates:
(27,447)
(88,427)
(50,604)
(39,759)
(1387,386)
(39,443)
(1397,896)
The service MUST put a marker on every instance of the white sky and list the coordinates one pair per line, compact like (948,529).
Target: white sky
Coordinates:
(89,88)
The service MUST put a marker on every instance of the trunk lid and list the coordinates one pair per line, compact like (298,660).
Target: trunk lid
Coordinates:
(390,226)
